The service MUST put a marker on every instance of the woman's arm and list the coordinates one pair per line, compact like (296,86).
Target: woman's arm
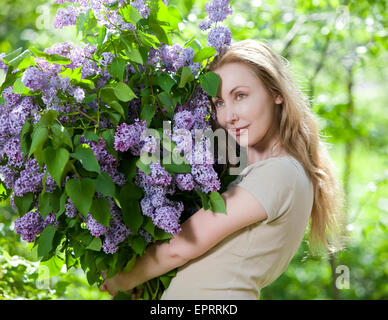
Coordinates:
(202,231)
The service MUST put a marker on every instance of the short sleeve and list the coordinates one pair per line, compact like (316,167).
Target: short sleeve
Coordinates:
(273,185)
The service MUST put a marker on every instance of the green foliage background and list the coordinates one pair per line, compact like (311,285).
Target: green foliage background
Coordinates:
(338,53)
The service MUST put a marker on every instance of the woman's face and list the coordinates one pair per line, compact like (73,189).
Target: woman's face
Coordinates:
(244,107)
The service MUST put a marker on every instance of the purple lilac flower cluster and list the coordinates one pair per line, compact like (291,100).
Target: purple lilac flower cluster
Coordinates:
(128,137)
(218,36)
(164,212)
(45,75)
(3,66)
(105,11)
(191,117)
(107,162)
(32,224)
(113,235)
(117,231)
(171,58)
(20,175)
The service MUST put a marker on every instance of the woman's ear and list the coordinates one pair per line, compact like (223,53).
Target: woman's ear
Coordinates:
(279,99)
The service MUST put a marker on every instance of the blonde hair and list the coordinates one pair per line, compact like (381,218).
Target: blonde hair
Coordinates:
(299,135)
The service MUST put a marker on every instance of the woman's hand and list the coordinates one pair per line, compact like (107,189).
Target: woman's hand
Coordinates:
(119,282)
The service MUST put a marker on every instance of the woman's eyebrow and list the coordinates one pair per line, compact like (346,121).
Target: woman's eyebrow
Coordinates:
(231,91)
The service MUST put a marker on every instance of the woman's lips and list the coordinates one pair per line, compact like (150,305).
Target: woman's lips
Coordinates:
(239,131)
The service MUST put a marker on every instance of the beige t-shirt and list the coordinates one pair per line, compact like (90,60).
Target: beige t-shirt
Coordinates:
(255,256)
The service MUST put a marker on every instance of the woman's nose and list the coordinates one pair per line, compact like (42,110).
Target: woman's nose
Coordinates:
(231,115)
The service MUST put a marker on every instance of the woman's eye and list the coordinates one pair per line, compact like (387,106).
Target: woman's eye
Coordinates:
(241,94)
(217,103)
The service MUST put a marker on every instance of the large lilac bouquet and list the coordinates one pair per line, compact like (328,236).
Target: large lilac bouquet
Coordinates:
(85,132)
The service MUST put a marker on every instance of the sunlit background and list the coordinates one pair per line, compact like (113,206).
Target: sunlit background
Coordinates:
(338,54)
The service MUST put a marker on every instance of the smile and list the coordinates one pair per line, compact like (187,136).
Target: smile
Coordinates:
(239,131)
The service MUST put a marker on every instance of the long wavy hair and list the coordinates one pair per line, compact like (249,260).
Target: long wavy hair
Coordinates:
(300,137)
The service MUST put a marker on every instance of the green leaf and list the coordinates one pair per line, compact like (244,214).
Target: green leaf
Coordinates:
(48,203)
(138,244)
(90,98)
(129,200)
(95,245)
(62,134)
(39,137)
(48,119)
(177,168)
(10,78)
(123,92)
(165,82)
(160,33)
(23,204)
(92,276)
(210,82)
(17,60)
(25,138)
(168,103)
(101,36)
(147,113)
(73,74)
(86,156)
(62,202)
(81,193)
(130,14)
(19,87)
(186,76)
(204,54)
(169,14)
(117,68)
(131,49)
(53,265)
(90,135)
(55,58)
(105,185)
(143,167)
(12,55)
(217,203)
(100,211)
(118,107)
(204,199)
(149,226)
(130,264)
(45,243)
(56,160)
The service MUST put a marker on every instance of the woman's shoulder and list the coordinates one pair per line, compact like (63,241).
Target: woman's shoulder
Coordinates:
(285,169)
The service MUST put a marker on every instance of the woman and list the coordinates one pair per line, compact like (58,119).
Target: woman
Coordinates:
(289,180)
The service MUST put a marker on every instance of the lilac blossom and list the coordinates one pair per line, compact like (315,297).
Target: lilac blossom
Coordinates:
(219,37)
(70,209)
(218,10)
(185,181)
(167,218)
(3,66)
(146,235)
(183,120)
(174,57)
(29,225)
(66,17)
(30,179)
(116,233)
(34,79)
(127,137)
(206,177)
(79,94)
(106,161)
(141,7)
(96,229)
